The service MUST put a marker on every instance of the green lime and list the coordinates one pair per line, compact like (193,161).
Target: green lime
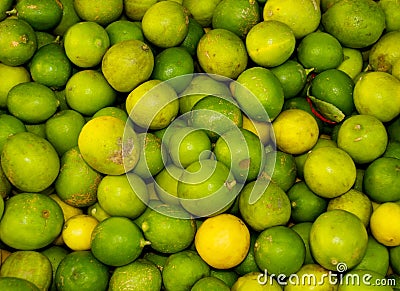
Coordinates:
(228,276)
(320,51)
(55,254)
(202,12)
(38,129)
(123,195)
(97,212)
(392,15)
(112,111)
(5,185)
(352,63)
(210,284)
(140,275)
(5,6)
(102,13)
(166,184)
(18,42)
(63,128)
(306,205)
(13,283)
(117,241)
(165,24)
(303,229)
(385,53)
(312,277)
(158,259)
(9,125)
(259,93)
(263,204)
(44,38)
(85,43)
(392,150)
(393,129)
(280,250)
(222,52)
(69,17)
(193,36)
(394,255)
(10,77)
(236,16)
(249,264)
(121,30)
(183,269)
(50,66)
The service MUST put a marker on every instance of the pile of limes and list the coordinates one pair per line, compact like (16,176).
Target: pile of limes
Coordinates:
(200,145)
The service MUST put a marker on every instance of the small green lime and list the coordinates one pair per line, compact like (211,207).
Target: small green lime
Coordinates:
(121,30)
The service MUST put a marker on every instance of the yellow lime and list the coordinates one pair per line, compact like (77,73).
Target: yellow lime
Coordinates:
(77,232)
(101,12)
(384,232)
(11,76)
(352,63)
(68,210)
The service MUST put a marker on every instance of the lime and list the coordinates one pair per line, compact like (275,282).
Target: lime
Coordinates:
(11,76)
(271,207)
(384,232)
(229,276)
(9,125)
(352,63)
(210,284)
(312,277)
(18,42)
(223,241)
(392,150)
(183,269)
(249,263)
(302,17)
(296,131)
(393,128)
(385,53)
(5,6)
(77,182)
(44,38)
(329,172)
(202,12)
(394,253)
(158,259)
(140,274)
(381,180)
(107,146)
(55,254)
(166,184)
(68,210)
(63,128)
(333,228)
(5,185)
(270,43)
(292,76)
(100,12)
(256,281)
(364,280)
(300,102)
(87,91)
(32,102)
(69,17)
(81,270)
(124,74)
(262,129)
(222,52)
(40,14)
(236,16)
(356,24)
(112,111)
(320,51)
(165,24)
(259,93)
(121,30)
(280,250)
(193,36)
(77,231)
(303,229)
(135,9)
(306,205)
(152,105)
(13,283)
(117,241)
(363,137)
(29,162)
(392,15)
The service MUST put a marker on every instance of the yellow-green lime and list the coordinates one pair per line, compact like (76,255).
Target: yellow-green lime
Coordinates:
(4,7)
(385,53)
(392,150)
(303,229)
(166,184)
(135,9)
(202,12)
(102,13)
(195,32)
(392,14)
(352,63)
(9,125)
(121,30)
(211,284)
(112,111)
(251,281)
(5,185)
(97,212)
(69,17)
(11,76)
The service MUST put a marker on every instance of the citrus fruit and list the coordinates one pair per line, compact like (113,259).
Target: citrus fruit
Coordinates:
(386,233)
(303,229)
(222,52)
(263,204)
(166,184)
(123,29)
(392,16)
(10,77)
(50,66)
(296,131)
(363,137)
(338,228)
(85,43)
(63,128)
(43,216)
(249,263)
(352,63)
(270,43)
(77,182)
(385,53)
(69,17)
(4,8)
(40,14)
(13,283)
(5,185)
(302,17)
(165,24)
(138,274)
(202,12)
(29,162)
(183,269)
(355,202)
(55,254)
(117,241)
(44,38)
(394,258)
(192,38)
(280,168)
(306,205)
(280,250)
(166,232)
(236,16)
(112,111)
(292,76)
(329,172)
(99,12)
(107,146)
(364,280)
(392,150)
(9,126)
(311,277)
(320,51)
(216,115)
(32,102)
(393,128)
(188,145)
(152,105)
(18,42)
(125,73)
(356,24)
(260,128)
(68,210)
(376,257)
(223,241)
(77,232)
(229,276)
(87,91)
(259,93)
(256,281)
(135,9)
(80,270)
(32,266)
(210,283)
